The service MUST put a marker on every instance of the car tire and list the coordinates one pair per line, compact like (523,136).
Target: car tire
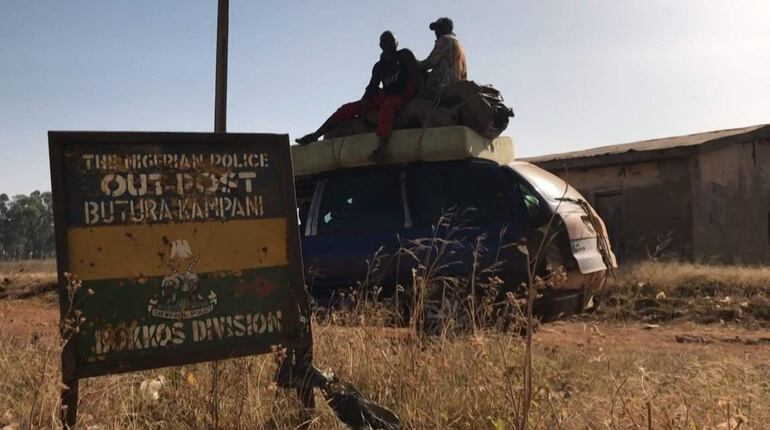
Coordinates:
(555,305)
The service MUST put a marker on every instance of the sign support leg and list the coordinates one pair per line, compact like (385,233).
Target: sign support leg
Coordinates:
(304,360)
(69,404)
(303,364)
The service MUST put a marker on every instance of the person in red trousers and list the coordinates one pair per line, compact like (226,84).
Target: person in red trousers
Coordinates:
(391,87)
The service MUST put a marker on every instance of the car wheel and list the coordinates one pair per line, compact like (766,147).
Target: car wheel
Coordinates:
(555,305)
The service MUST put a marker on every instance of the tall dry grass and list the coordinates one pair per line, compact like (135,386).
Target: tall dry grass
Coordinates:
(460,379)
(463,382)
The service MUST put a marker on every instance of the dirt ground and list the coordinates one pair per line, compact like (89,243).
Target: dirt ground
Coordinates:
(36,317)
(612,329)
(674,337)
(23,319)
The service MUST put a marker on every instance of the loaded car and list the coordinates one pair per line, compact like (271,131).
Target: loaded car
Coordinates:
(353,209)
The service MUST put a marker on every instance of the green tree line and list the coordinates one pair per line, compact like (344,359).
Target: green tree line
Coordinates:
(26,226)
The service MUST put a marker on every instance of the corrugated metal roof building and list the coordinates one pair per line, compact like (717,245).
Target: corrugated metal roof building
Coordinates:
(703,196)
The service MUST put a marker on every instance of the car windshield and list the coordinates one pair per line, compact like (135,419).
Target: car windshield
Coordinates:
(550,186)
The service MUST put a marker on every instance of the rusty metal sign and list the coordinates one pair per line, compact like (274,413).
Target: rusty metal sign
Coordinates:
(184,248)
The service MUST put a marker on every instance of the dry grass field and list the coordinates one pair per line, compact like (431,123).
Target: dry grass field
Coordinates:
(668,291)
(40,267)
(617,369)
(27,277)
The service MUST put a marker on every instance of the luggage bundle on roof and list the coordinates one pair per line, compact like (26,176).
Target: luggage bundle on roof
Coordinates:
(404,146)
(467,103)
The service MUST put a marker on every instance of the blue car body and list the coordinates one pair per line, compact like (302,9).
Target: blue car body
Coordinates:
(354,222)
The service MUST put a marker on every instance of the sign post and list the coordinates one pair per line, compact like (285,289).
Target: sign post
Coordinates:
(173,248)
(220,91)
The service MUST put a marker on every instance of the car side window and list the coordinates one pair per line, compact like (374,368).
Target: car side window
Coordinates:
(479,192)
(361,202)
(537,214)
(304,191)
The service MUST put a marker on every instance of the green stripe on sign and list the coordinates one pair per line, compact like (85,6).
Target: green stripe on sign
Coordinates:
(184,313)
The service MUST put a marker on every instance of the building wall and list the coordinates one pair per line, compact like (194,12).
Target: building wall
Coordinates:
(731,203)
(646,205)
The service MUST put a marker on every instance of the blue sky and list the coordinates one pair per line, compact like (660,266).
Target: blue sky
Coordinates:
(578,74)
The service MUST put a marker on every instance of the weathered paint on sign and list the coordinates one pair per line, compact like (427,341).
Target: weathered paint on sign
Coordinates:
(186,246)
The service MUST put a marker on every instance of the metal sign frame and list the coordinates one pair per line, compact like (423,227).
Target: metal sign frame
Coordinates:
(61,143)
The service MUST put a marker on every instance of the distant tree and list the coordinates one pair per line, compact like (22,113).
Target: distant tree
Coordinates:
(26,226)
(4,200)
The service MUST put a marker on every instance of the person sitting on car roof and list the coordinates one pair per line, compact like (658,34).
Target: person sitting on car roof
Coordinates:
(446,61)
(396,71)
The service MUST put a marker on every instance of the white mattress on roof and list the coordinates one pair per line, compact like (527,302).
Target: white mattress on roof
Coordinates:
(404,146)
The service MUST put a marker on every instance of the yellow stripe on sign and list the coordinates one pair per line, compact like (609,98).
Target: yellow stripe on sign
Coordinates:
(135,251)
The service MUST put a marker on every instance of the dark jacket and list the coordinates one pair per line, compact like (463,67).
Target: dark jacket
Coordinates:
(398,75)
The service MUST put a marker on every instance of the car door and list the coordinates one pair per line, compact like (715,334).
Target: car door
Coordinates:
(352,228)
(486,212)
